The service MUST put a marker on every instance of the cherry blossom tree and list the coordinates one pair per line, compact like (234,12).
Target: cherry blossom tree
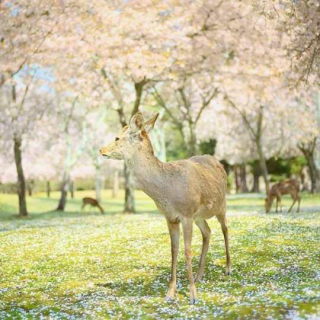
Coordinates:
(24,28)
(70,140)
(23,104)
(109,51)
(298,22)
(184,102)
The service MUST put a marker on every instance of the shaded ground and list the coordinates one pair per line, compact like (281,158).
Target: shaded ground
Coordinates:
(90,266)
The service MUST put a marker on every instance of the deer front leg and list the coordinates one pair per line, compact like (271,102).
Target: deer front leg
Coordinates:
(174,230)
(299,200)
(294,201)
(206,234)
(224,227)
(187,225)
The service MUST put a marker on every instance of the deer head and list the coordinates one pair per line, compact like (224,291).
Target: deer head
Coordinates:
(267,204)
(131,139)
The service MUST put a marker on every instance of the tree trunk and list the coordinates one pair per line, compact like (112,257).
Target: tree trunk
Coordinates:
(192,144)
(64,192)
(256,184)
(129,192)
(243,179)
(29,188)
(263,165)
(303,180)
(72,189)
(256,171)
(48,189)
(313,171)
(115,184)
(236,178)
(21,180)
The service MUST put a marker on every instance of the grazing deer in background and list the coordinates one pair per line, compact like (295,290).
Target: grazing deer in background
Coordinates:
(92,202)
(184,191)
(291,187)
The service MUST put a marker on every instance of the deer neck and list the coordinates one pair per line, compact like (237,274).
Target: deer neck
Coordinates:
(147,172)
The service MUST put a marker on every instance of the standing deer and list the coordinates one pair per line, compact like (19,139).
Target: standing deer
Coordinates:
(283,187)
(184,191)
(92,202)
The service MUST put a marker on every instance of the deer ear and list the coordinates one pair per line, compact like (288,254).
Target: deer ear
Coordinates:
(149,125)
(136,123)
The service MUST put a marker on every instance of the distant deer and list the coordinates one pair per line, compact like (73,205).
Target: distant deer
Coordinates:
(184,191)
(92,202)
(291,187)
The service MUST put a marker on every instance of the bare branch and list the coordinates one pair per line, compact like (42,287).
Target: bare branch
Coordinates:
(243,115)
(162,103)
(205,103)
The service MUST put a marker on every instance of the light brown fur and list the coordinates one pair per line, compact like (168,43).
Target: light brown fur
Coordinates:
(92,202)
(184,191)
(291,187)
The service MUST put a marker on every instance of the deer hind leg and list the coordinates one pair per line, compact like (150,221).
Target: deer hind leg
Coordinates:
(187,225)
(206,234)
(83,206)
(224,227)
(174,230)
(294,201)
(280,204)
(277,205)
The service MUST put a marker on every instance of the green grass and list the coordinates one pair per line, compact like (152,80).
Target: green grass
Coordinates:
(78,265)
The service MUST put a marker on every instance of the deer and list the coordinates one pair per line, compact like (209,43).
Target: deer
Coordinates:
(291,187)
(184,191)
(92,202)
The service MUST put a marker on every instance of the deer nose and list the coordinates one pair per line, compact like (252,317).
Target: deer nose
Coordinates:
(104,155)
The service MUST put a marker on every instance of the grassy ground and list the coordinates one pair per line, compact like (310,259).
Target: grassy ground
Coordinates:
(77,265)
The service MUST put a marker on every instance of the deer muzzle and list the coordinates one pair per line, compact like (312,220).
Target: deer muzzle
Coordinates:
(104,153)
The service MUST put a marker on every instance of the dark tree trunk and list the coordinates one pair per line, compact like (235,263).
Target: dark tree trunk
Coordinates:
(21,180)
(30,185)
(313,171)
(129,192)
(48,189)
(64,192)
(256,171)
(303,180)
(72,189)
(243,179)
(236,178)
(256,184)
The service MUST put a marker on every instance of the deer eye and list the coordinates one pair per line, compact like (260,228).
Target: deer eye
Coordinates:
(116,139)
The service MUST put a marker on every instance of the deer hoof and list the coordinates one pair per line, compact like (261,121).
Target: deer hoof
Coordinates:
(228,272)
(193,300)
(169,299)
